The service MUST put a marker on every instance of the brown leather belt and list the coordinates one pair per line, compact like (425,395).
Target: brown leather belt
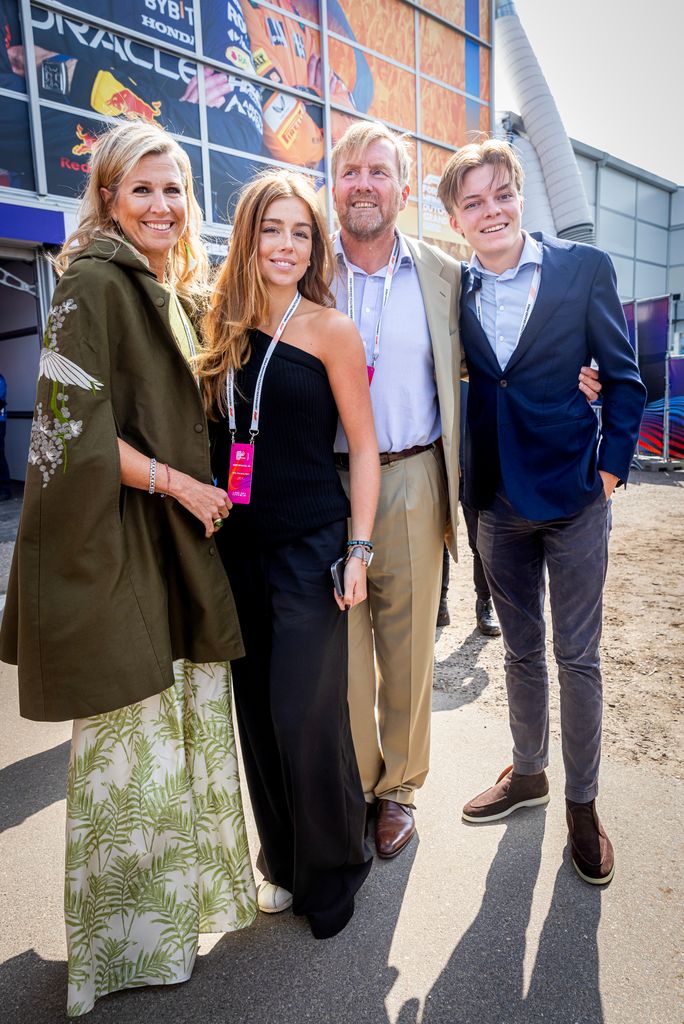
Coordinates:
(342,459)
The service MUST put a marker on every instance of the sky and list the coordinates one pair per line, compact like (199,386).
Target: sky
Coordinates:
(614,68)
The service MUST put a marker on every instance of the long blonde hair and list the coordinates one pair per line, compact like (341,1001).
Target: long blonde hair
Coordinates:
(115,154)
(240,299)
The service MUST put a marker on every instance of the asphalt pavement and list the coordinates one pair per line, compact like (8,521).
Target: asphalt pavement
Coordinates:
(469,925)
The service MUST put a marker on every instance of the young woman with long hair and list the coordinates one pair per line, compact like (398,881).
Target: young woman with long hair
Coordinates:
(278,366)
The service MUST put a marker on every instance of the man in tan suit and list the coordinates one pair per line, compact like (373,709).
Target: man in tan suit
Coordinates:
(404,298)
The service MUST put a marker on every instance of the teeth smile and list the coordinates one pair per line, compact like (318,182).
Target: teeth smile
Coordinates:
(363,206)
(157,225)
(497,227)
(282,263)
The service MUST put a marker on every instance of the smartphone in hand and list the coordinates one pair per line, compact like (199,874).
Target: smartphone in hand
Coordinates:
(337,573)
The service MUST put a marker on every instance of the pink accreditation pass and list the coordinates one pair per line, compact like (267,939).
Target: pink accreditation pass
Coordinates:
(240,473)
(371,371)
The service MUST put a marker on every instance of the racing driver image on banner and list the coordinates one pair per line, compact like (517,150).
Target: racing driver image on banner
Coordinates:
(286,50)
(92,69)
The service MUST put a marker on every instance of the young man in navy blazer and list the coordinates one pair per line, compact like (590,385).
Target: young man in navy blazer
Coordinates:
(534,310)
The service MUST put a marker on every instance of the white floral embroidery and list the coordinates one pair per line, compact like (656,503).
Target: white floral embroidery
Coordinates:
(49,435)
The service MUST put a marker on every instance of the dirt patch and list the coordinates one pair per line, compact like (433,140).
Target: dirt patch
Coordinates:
(643,634)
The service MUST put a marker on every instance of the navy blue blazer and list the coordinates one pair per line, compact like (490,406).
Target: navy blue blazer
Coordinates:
(529,425)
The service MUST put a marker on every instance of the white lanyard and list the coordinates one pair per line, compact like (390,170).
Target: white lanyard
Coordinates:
(230,380)
(391,266)
(531,298)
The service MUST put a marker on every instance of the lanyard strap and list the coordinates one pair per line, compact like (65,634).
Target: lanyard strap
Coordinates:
(230,380)
(531,298)
(391,266)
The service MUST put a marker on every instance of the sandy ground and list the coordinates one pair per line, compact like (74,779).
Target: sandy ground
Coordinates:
(643,636)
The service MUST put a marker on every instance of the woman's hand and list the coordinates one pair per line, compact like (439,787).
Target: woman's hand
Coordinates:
(206,502)
(354,584)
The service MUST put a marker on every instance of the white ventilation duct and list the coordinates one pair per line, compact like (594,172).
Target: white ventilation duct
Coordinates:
(544,127)
(537,215)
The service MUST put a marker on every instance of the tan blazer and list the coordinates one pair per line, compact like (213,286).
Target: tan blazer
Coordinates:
(440,282)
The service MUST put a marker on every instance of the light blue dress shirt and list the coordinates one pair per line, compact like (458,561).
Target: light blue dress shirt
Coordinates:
(504,297)
(404,391)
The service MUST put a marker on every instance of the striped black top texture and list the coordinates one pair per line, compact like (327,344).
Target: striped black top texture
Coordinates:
(295,485)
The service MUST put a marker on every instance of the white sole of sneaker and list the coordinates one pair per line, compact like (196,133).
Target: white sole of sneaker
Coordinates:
(593,881)
(536,802)
(273,899)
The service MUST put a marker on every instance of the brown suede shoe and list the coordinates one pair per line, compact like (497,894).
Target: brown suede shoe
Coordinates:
(393,829)
(509,792)
(592,850)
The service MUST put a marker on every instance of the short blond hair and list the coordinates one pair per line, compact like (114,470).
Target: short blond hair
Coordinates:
(494,153)
(360,135)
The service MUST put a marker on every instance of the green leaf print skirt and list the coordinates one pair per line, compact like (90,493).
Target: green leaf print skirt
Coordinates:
(156,848)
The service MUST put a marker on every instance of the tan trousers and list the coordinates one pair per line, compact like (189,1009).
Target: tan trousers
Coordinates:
(392,634)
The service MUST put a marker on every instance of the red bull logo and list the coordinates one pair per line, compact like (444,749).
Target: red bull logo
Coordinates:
(132,107)
(88,140)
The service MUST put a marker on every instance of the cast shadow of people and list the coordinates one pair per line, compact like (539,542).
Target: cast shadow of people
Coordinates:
(32,784)
(32,989)
(458,676)
(275,972)
(483,982)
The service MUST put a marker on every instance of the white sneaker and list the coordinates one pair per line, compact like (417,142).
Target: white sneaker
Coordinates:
(273,898)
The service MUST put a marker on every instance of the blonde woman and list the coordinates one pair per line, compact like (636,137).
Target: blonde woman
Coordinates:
(278,367)
(119,613)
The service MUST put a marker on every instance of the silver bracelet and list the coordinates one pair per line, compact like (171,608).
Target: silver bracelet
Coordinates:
(153,475)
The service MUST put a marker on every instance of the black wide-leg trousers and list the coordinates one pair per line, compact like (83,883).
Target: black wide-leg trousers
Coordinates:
(291,700)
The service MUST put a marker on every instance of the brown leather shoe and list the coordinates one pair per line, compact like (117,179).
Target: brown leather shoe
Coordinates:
(393,829)
(592,850)
(510,792)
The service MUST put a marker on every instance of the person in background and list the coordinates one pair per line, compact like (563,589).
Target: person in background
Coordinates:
(118,613)
(534,311)
(279,367)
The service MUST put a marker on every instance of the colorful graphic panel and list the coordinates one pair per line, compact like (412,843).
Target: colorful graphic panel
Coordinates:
(386,26)
(652,331)
(12,70)
(442,52)
(676,446)
(167,21)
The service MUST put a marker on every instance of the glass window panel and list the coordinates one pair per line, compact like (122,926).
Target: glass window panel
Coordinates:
(675,281)
(16,158)
(650,281)
(386,26)
(442,53)
(618,191)
(587,169)
(653,203)
(651,243)
(234,114)
(293,129)
(393,89)
(677,246)
(68,140)
(472,67)
(12,74)
(485,78)
(678,207)
(485,120)
(616,233)
(452,10)
(171,21)
(625,276)
(228,175)
(443,114)
(485,20)
(89,69)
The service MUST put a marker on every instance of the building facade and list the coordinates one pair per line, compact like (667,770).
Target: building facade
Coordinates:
(241,84)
